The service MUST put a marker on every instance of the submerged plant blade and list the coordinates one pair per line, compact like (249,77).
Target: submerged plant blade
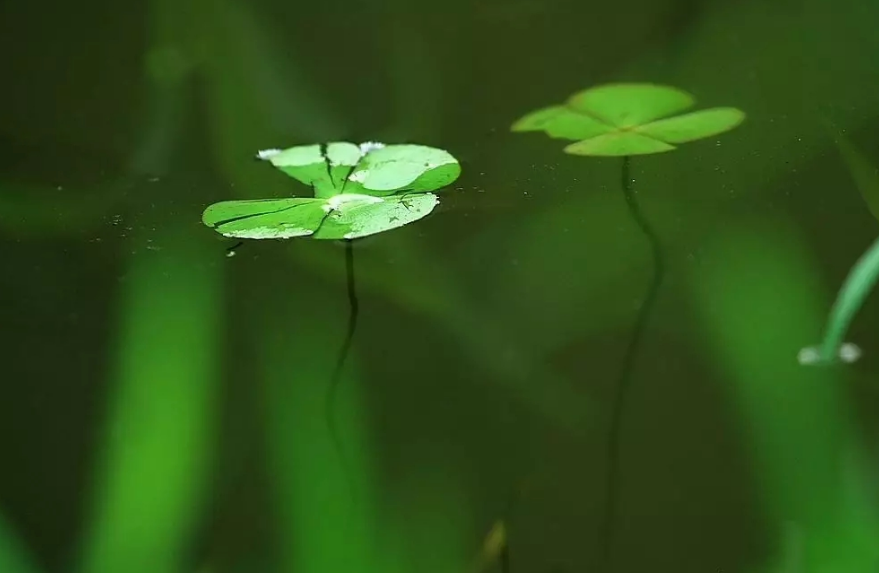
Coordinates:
(617,144)
(367,215)
(267,218)
(562,123)
(393,168)
(306,164)
(858,285)
(757,295)
(693,126)
(320,527)
(862,170)
(14,555)
(153,471)
(630,104)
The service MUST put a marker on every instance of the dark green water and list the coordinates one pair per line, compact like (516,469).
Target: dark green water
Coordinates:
(162,405)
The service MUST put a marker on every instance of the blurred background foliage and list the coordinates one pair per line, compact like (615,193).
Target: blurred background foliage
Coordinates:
(162,405)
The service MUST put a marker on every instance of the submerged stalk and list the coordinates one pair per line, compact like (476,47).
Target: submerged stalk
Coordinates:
(336,377)
(613,440)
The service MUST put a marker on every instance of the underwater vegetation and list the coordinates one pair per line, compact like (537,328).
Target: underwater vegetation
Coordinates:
(190,326)
(861,280)
(366,189)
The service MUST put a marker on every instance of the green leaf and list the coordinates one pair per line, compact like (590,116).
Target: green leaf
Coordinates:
(562,123)
(628,105)
(304,163)
(390,169)
(353,216)
(625,119)
(695,125)
(617,144)
(342,216)
(266,218)
(367,169)
(359,191)
(342,158)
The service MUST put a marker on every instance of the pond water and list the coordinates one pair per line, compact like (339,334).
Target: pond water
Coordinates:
(170,400)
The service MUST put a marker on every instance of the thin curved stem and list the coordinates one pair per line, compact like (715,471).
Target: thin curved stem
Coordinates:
(624,383)
(336,377)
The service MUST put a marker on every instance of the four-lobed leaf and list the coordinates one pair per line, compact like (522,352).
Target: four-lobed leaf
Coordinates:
(359,190)
(628,119)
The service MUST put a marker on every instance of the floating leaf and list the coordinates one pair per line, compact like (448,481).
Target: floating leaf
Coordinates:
(628,105)
(305,163)
(342,158)
(355,216)
(342,216)
(359,191)
(562,123)
(370,168)
(626,119)
(618,143)
(394,168)
(693,126)
(266,218)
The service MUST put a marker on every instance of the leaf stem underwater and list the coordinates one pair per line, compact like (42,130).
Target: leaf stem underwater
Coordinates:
(336,377)
(613,440)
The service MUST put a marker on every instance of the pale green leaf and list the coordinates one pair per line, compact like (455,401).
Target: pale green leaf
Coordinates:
(304,163)
(562,123)
(627,104)
(267,218)
(624,119)
(354,216)
(394,168)
(618,144)
(342,157)
(695,125)
(359,190)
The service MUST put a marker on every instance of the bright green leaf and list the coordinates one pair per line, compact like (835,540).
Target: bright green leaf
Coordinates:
(342,158)
(342,216)
(618,144)
(267,218)
(355,216)
(695,125)
(304,163)
(628,105)
(394,168)
(562,123)
(359,191)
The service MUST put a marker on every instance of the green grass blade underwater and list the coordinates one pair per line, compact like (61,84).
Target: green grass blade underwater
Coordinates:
(861,280)
(864,173)
(756,294)
(14,555)
(320,527)
(158,440)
